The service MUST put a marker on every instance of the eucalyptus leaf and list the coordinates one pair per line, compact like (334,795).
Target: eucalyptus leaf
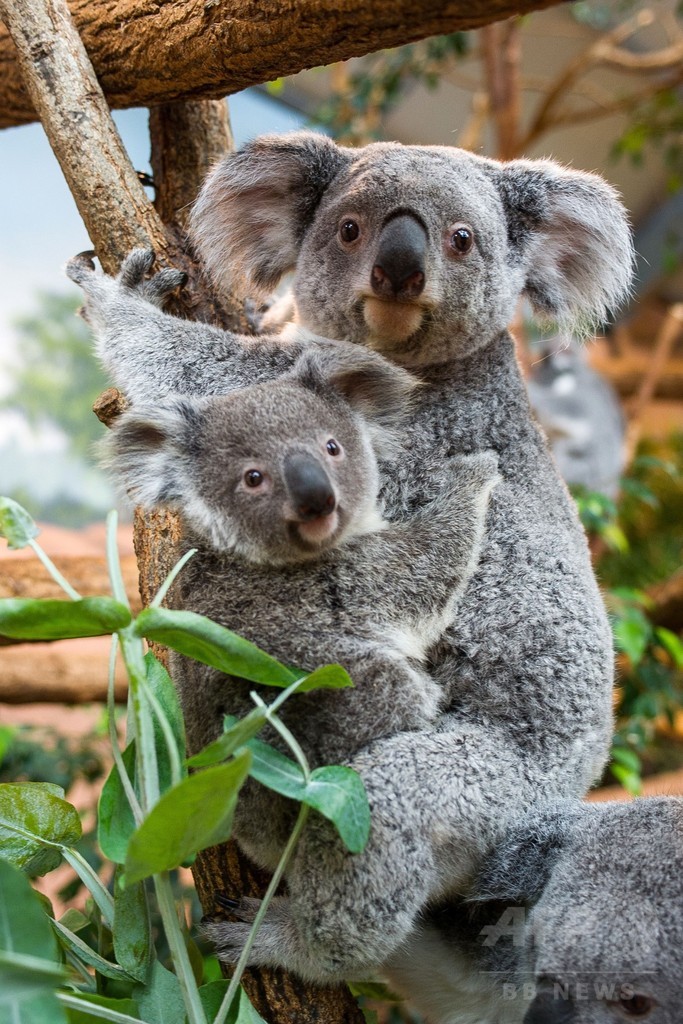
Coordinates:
(160,1001)
(161,685)
(206,641)
(327,677)
(27,619)
(34,822)
(82,1016)
(115,821)
(88,955)
(132,929)
(336,792)
(195,814)
(16,525)
(232,739)
(241,1011)
(29,970)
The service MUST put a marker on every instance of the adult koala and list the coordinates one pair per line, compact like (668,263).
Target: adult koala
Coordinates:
(575,918)
(420,253)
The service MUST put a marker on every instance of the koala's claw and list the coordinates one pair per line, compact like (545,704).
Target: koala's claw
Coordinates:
(136,266)
(80,267)
(226,902)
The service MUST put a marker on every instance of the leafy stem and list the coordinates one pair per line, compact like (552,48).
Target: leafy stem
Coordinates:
(54,571)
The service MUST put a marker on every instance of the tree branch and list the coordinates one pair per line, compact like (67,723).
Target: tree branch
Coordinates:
(146,54)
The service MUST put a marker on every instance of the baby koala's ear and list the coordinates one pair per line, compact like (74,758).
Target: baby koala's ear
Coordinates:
(150,450)
(256,204)
(572,235)
(379,390)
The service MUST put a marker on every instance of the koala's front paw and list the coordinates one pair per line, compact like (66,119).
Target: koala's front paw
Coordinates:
(133,276)
(229,937)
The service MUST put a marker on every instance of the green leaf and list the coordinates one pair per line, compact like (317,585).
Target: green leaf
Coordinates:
(339,794)
(672,645)
(627,759)
(206,641)
(241,1011)
(195,814)
(74,920)
(28,955)
(26,619)
(374,990)
(38,1010)
(631,781)
(335,792)
(115,821)
(125,1006)
(233,738)
(132,929)
(631,636)
(34,820)
(160,1001)
(161,685)
(84,952)
(16,525)
(327,677)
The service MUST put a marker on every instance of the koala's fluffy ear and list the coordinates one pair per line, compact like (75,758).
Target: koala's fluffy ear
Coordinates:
(519,868)
(149,450)
(572,234)
(379,390)
(255,205)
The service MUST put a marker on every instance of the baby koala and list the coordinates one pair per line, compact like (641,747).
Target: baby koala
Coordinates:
(275,475)
(262,471)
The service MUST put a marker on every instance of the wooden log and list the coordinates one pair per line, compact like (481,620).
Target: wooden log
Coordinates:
(27,577)
(68,672)
(147,52)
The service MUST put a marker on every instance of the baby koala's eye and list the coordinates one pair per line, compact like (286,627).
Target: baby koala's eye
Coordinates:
(253,478)
(461,239)
(349,230)
(332,447)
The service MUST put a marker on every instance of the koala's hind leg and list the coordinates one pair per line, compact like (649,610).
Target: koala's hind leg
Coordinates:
(439,801)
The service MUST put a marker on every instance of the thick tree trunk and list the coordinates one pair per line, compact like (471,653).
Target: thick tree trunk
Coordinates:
(146,53)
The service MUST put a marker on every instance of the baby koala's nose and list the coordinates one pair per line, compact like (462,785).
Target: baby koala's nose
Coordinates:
(310,489)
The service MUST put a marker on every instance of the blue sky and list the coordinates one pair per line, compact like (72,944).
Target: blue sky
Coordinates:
(39,224)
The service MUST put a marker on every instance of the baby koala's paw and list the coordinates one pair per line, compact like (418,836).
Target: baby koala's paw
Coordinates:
(229,937)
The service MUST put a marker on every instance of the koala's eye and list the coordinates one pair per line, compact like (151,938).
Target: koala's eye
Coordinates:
(636,1005)
(349,231)
(332,447)
(253,478)
(461,239)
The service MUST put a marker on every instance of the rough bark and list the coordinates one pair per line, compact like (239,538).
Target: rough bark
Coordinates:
(155,51)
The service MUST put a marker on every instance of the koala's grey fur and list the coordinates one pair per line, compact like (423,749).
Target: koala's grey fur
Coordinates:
(576,918)
(526,667)
(194,453)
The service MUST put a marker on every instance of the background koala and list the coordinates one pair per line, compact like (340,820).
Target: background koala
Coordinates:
(576,918)
(420,253)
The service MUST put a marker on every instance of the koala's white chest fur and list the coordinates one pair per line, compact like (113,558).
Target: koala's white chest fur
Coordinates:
(450,990)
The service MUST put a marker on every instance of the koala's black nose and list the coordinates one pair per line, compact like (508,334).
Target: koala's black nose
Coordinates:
(399,269)
(309,486)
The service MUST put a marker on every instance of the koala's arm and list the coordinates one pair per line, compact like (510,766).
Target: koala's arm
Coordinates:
(425,561)
(149,353)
